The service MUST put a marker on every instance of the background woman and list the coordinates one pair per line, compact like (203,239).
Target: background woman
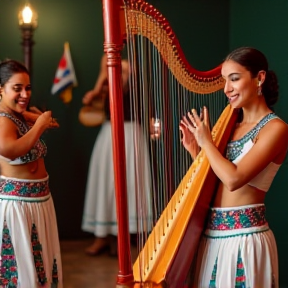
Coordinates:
(99,216)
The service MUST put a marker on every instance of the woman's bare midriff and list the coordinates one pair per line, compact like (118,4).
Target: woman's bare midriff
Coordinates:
(246,195)
(31,170)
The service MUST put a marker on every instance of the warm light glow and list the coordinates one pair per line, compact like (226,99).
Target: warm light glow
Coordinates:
(27,14)
(27,17)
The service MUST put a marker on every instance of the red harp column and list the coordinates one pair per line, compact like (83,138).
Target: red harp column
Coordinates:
(113,45)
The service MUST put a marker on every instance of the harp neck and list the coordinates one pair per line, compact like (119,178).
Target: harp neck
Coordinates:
(143,19)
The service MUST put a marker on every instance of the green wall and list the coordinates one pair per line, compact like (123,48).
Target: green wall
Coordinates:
(201,28)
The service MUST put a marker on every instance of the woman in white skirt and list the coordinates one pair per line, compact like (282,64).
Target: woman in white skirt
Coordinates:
(238,248)
(30,251)
(99,216)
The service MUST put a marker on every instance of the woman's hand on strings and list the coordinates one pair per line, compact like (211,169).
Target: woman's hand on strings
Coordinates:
(195,128)
(188,139)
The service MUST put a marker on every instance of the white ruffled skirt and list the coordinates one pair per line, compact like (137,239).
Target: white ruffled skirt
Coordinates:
(99,216)
(237,250)
(30,250)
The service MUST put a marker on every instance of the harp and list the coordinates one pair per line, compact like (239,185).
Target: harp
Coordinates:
(153,50)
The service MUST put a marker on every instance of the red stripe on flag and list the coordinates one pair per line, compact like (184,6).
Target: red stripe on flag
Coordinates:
(63,63)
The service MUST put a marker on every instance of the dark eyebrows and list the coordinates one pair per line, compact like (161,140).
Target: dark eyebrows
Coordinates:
(18,85)
(28,86)
(232,75)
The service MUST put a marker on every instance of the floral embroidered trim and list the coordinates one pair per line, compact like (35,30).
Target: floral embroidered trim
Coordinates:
(39,150)
(37,253)
(237,218)
(234,148)
(54,275)
(212,283)
(8,263)
(240,273)
(13,187)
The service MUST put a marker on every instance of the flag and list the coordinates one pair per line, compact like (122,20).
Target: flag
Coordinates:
(65,77)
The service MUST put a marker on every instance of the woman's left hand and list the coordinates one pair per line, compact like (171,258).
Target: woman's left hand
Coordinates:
(188,140)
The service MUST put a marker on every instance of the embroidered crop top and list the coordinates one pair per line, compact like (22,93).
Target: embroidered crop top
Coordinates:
(38,151)
(237,149)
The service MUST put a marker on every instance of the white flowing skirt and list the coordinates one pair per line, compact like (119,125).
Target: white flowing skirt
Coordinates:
(30,251)
(99,215)
(238,250)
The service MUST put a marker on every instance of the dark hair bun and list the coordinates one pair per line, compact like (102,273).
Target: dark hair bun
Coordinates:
(270,88)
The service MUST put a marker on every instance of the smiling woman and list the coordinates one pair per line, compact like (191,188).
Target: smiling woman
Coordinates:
(28,229)
(254,154)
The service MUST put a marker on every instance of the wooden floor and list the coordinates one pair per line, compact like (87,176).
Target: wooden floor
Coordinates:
(83,271)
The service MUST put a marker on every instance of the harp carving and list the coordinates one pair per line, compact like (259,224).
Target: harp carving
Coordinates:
(144,19)
(166,256)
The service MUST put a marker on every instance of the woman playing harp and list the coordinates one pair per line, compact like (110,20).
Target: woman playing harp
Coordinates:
(171,246)
(238,249)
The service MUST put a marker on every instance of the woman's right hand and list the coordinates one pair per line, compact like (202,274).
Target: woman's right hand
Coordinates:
(188,140)
(33,114)
(44,120)
(88,97)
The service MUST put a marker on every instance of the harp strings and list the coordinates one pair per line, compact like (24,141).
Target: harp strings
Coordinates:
(159,102)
